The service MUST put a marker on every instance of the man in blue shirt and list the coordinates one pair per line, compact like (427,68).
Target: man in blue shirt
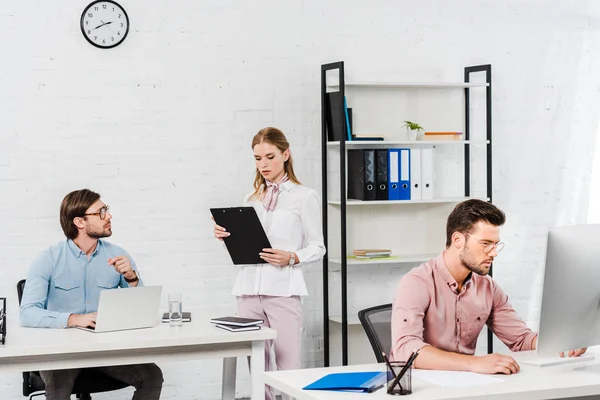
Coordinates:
(64,283)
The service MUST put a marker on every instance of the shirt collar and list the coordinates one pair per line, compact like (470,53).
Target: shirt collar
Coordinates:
(77,252)
(448,278)
(288,185)
(440,265)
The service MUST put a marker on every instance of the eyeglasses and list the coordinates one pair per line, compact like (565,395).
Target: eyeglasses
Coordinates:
(101,212)
(488,247)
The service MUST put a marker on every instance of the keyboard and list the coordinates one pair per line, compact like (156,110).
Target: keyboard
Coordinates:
(549,361)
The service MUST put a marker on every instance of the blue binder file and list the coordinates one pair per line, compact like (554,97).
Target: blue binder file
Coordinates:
(365,382)
(404,174)
(393,174)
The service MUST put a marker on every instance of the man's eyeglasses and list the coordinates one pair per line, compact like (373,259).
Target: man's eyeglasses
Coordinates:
(488,247)
(101,212)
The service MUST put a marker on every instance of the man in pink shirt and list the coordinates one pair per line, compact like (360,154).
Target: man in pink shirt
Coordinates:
(441,306)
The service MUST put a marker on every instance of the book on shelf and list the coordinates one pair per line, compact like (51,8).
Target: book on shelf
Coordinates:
(443,136)
(236,321)
(367,137)
(373,257)
(372,252)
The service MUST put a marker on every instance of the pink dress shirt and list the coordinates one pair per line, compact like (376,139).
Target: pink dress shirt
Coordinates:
(429,310)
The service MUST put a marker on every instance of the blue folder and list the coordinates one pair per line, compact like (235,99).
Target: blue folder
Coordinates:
(365,382)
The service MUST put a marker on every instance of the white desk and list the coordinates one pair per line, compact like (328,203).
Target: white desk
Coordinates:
(531,383)
(34,349)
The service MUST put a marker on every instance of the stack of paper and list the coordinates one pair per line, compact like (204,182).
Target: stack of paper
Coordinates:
(454,379)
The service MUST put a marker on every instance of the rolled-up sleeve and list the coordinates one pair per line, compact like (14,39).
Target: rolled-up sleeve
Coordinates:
(507,325)
(310,215)
(33,312)
(411,301)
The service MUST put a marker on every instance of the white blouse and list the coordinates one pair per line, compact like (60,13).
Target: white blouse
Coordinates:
(295,225)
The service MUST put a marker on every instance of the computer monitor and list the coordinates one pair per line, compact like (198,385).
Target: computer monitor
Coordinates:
(570,317)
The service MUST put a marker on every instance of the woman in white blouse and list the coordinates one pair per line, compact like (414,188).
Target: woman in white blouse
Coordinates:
(291,216)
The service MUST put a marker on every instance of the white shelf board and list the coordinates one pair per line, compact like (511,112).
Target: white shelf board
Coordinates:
(387,143)
(408,258)
(392,202)
(352,319)
(424,85)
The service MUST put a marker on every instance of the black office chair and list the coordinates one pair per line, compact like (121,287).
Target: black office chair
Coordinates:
(89,381)
(377,323)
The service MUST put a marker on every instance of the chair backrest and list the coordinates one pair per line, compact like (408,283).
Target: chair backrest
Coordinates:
(377,323)
(20,289)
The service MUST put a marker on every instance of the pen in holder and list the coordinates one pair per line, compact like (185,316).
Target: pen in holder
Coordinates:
(401,384)
(2,320)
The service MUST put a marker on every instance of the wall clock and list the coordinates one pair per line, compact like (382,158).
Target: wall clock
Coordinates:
(104,23)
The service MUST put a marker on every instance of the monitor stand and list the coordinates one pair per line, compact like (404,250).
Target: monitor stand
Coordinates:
(550,361)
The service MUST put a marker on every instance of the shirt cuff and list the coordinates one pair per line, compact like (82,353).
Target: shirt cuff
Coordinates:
(62,320)
(528,342)
(306,255)
(407,349)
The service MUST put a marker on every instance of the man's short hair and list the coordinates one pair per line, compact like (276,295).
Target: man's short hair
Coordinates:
(468,213)
(75,204)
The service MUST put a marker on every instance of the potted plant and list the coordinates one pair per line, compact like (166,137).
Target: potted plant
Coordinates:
(413,130)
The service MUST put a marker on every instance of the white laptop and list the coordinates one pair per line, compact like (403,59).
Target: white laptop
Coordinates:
(127,308)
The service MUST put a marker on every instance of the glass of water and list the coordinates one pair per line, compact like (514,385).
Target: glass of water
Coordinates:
(175,309)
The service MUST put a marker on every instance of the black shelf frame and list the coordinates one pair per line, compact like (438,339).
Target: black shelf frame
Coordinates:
(339,66)
(487,68)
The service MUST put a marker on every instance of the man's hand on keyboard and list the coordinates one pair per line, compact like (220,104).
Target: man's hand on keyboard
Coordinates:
(494,364)
(574,353)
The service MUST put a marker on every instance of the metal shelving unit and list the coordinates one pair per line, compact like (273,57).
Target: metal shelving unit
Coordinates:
(342,263)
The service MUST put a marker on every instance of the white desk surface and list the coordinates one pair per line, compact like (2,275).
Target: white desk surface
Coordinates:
(38,348)
(531,383)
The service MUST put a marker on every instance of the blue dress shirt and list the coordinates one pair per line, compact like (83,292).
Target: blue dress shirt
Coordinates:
(63,281)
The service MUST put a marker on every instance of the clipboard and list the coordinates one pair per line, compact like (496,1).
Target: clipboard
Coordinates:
(248,237)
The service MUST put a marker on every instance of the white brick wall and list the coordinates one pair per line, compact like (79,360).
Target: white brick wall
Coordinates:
(161,126)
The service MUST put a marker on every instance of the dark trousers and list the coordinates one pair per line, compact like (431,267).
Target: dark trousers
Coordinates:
(146,378)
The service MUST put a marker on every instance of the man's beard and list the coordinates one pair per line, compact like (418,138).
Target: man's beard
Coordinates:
(98,234)
(468,262)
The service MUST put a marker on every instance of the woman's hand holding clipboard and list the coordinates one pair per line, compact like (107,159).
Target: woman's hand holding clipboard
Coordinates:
(281,258)
(219,231)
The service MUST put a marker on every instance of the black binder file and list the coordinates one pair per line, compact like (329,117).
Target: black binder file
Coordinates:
(336,118)
(361,175)
(247,238)
(381,156)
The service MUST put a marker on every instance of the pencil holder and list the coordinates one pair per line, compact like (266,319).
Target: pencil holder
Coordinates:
(402,386)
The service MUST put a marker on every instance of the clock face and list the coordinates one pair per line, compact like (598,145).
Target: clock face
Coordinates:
(104,23)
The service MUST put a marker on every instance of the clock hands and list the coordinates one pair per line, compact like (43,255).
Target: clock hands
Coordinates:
(103,23)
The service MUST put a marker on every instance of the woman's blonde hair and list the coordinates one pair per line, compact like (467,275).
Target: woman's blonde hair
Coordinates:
(275,137)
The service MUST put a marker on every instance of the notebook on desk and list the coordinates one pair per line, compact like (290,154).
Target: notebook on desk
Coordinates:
(364,382)
(237,321)
(186,316)
(127,308)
